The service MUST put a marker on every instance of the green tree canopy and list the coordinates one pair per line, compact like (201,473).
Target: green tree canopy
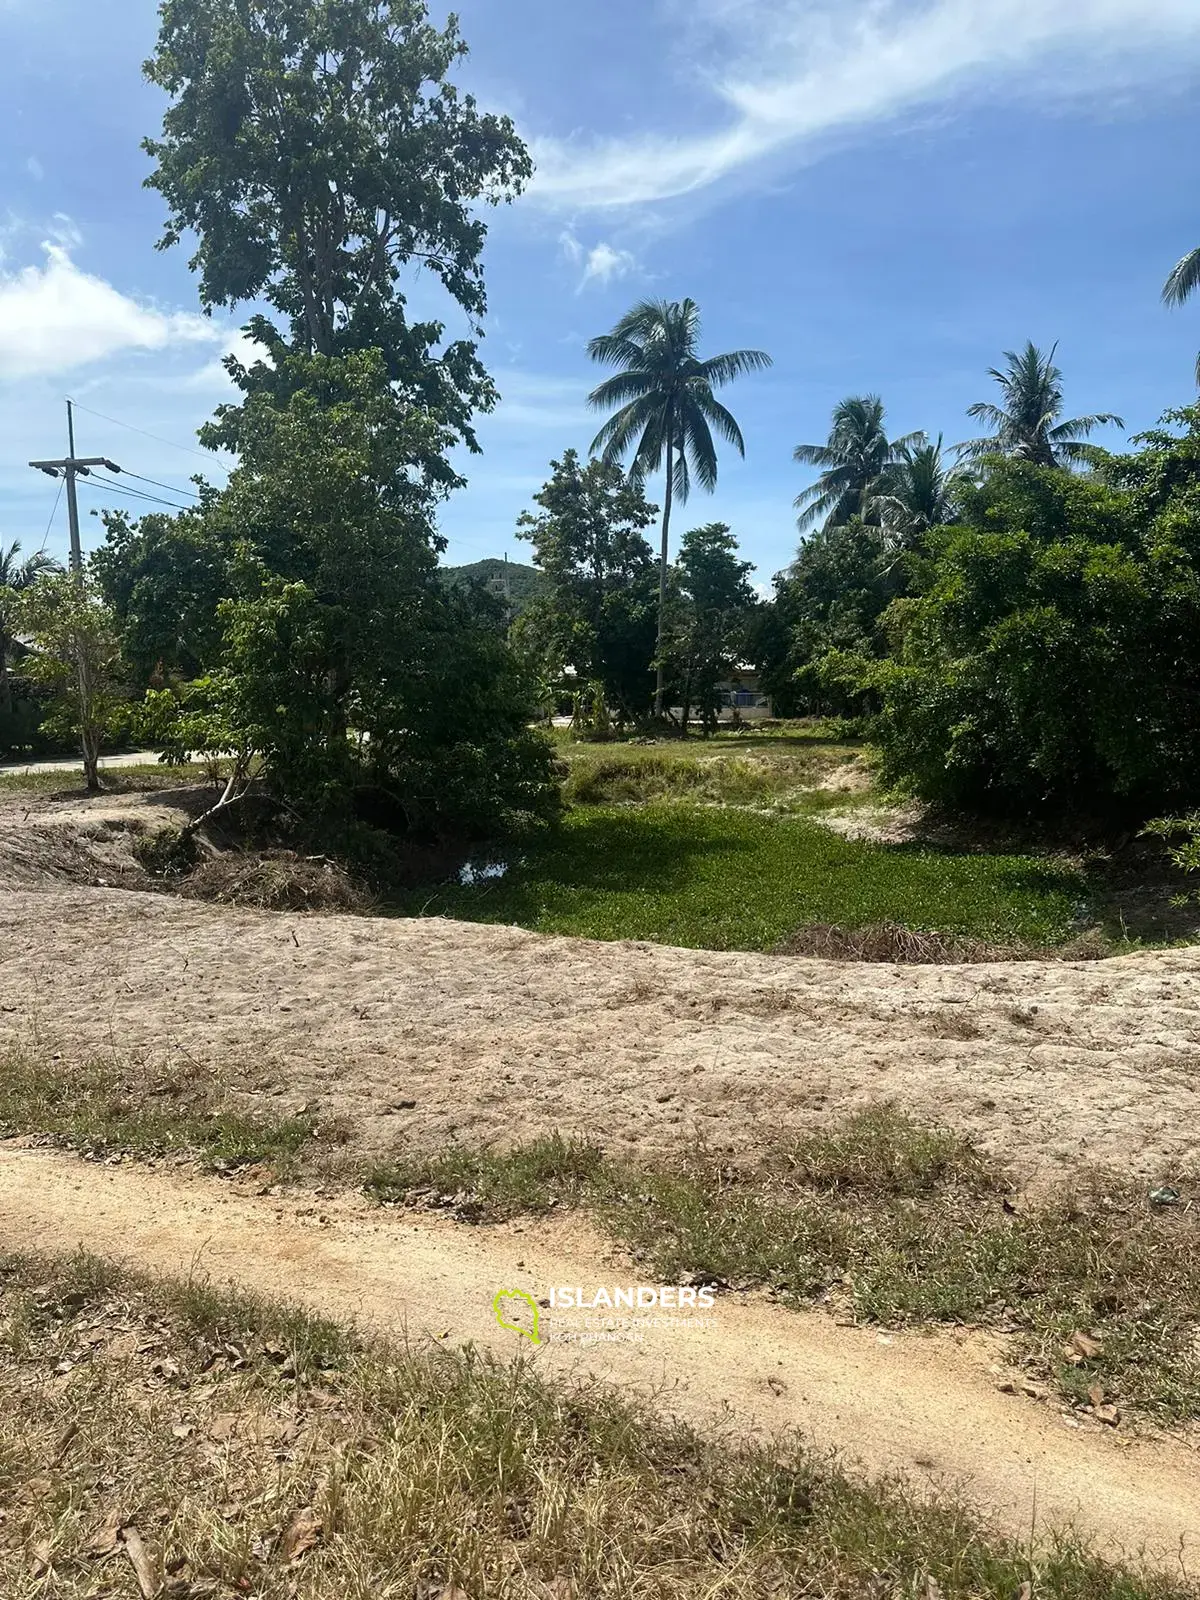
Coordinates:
(317,151)
(713,609)
(1051,661)
(597,613)
(345,665)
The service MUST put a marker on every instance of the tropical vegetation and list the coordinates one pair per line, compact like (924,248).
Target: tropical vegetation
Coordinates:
(667,410)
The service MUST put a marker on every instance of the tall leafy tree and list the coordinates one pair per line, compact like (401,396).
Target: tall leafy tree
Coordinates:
(16,576)
(77,661)
(1183,282)
(317,152)
(667,410)
(916,492)
(1028,425)
(852,461)
(714,606)
(597,612)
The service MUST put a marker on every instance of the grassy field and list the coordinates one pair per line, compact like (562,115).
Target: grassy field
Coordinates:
(115,780)
(192,1444)
(726,879)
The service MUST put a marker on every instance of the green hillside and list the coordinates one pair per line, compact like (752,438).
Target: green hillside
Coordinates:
(513,579)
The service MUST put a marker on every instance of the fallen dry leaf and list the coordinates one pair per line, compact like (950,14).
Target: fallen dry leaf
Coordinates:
(1085,1345)
(1025,1592)
(148,1579)
(303,1534)
(41,1558)
(106,1540)
(1096,1394)
(223,1427)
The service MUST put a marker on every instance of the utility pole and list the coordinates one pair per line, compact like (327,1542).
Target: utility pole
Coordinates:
(71,469)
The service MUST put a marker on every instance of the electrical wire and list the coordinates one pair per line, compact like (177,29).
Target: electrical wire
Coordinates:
(53,514)
(107,486)
(169,487)
(204,455)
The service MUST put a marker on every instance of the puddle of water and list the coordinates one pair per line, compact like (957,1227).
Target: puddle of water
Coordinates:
(488,872)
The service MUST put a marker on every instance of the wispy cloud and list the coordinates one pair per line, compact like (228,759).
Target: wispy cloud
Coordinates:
(779,75)
(604,263)
(54,318)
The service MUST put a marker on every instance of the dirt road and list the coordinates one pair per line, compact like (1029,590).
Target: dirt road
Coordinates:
(929,1407)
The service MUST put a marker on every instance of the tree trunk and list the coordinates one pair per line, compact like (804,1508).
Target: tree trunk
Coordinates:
(660,689)
(6,700)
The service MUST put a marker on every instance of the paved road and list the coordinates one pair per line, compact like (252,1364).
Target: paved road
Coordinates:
(131,758)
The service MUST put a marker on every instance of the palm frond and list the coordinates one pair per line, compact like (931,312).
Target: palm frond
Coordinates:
(696,444)
(814,455)
(720,370)
(618,432)
(721,418)
(619,389)
(1183,281)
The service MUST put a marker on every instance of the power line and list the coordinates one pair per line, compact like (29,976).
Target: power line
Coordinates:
(53,514)
(204,455)
(169,487)
(106,485)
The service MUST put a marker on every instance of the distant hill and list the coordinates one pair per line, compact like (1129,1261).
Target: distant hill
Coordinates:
(511,579)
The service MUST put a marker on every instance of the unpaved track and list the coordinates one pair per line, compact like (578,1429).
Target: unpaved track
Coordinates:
(927,1407)
(428,1031)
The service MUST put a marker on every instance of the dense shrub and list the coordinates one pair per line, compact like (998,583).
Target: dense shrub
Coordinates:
(1051,660)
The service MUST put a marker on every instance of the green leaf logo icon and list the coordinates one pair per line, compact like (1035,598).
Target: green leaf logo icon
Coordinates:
(503,1303)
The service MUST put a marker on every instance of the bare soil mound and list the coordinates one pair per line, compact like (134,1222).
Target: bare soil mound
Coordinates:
(427,1032)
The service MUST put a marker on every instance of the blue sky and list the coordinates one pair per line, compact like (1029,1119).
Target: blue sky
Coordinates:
(883,194)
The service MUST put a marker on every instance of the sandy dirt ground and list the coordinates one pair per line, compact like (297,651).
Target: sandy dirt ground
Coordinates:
(930,1408)
(429,1031)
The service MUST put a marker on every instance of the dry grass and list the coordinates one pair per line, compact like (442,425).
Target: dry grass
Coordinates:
(119,1107)
(891,942)
(876,1216)
(165,1440)
(276,880)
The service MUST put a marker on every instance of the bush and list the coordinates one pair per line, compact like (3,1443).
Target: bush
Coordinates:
(1052,661)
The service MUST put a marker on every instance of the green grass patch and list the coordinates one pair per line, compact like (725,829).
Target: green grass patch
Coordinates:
(256,1452)
(530,1179)
(733,880)
(104,1109)
(765,773)
(114,780)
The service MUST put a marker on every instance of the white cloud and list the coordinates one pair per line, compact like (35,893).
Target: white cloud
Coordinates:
(605,263)
(56,318)
(602,264)
(35,169)
(781,74)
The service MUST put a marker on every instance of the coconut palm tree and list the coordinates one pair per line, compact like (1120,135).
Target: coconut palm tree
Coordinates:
(667,411)
(1184,280)
(918,491)
(16,575)
(1027,424)
(854,457)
